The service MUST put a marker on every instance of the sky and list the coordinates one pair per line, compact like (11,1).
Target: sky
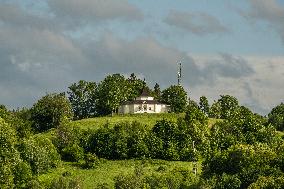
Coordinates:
(225,46)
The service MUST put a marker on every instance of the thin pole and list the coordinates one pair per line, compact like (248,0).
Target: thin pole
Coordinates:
(179,73)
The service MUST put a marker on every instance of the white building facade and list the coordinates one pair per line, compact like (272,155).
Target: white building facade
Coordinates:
(143,104)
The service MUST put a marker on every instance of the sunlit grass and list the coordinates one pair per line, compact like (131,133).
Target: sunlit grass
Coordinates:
(108,170)
(145,119)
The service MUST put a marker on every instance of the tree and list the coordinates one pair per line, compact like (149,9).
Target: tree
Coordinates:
(244,163)
(204,105)
(276,117)
(112,91)
(215,110)
(40,153)
(176,97)
(157,92)
(82,98)
(224,108)
(9,156)
(228,106)
(49,111)
(135,86)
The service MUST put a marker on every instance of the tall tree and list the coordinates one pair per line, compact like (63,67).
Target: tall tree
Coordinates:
(49,111)
(276,117)
(82,98)
(228,106)
(192,105)
(135,85)
(176,97)
(215,110)
(157,92)
(204,105)
(112,91)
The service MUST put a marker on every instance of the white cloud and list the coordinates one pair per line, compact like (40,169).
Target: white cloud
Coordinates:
(197,23)
(261,90)
(270,12)
(92,10)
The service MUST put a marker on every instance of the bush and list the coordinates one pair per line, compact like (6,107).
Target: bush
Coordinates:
(228,182)
(131,181)
(6,176)
(68,142)
(49,111)
(22,175)
(91,161)
(9,156)
(72,153)
(267,183)
(40,153)
(66,183)
(276,117)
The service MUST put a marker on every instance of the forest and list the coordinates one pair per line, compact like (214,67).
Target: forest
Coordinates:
(229,145)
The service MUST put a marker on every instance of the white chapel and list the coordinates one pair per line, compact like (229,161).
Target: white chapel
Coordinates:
(143,104)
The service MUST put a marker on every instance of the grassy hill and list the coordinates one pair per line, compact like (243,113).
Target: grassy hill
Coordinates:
(106,171)
(145,119)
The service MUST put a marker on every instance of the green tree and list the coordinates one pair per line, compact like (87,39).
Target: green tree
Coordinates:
(215,110)
(192,105)
(9,156)
(176,97)
(49,111)
(243,163)
(82,98)
(157,92)
(204,105)
(68,142)
(40,153)
(228,106)
(276,117)
(112,91)
(135,86)
(268,182)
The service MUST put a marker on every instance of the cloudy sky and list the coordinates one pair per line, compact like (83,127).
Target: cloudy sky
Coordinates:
(226,46)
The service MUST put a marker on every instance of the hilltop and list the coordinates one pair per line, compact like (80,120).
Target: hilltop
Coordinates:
(144,119)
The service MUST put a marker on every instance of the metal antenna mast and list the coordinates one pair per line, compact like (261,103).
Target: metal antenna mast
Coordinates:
(179,72)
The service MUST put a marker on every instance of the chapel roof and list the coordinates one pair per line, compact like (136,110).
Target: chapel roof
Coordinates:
(145,92)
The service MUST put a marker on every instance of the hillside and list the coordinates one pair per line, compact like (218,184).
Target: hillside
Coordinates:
(145,119)
(107,171)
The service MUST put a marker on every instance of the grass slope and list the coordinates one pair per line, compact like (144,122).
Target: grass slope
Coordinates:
(108,170)
(145,119)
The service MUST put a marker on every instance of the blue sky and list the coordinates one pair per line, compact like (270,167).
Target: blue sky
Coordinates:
(227,46)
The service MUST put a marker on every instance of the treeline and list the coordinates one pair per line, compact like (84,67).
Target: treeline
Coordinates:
(90,99)
(241,150)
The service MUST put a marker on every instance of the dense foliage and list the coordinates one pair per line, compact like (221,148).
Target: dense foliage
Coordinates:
(22,157)
(82,96)
(276,117)
(176,97)
(240,149)
(49,111)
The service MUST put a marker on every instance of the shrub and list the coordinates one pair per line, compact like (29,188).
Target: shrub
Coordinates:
(40,153)
(68,142)
(66,183)
(49,111)
(276,117)
(228,182)
(9,156)
(22,175)
(91,161)
(72,152)
(130,181)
